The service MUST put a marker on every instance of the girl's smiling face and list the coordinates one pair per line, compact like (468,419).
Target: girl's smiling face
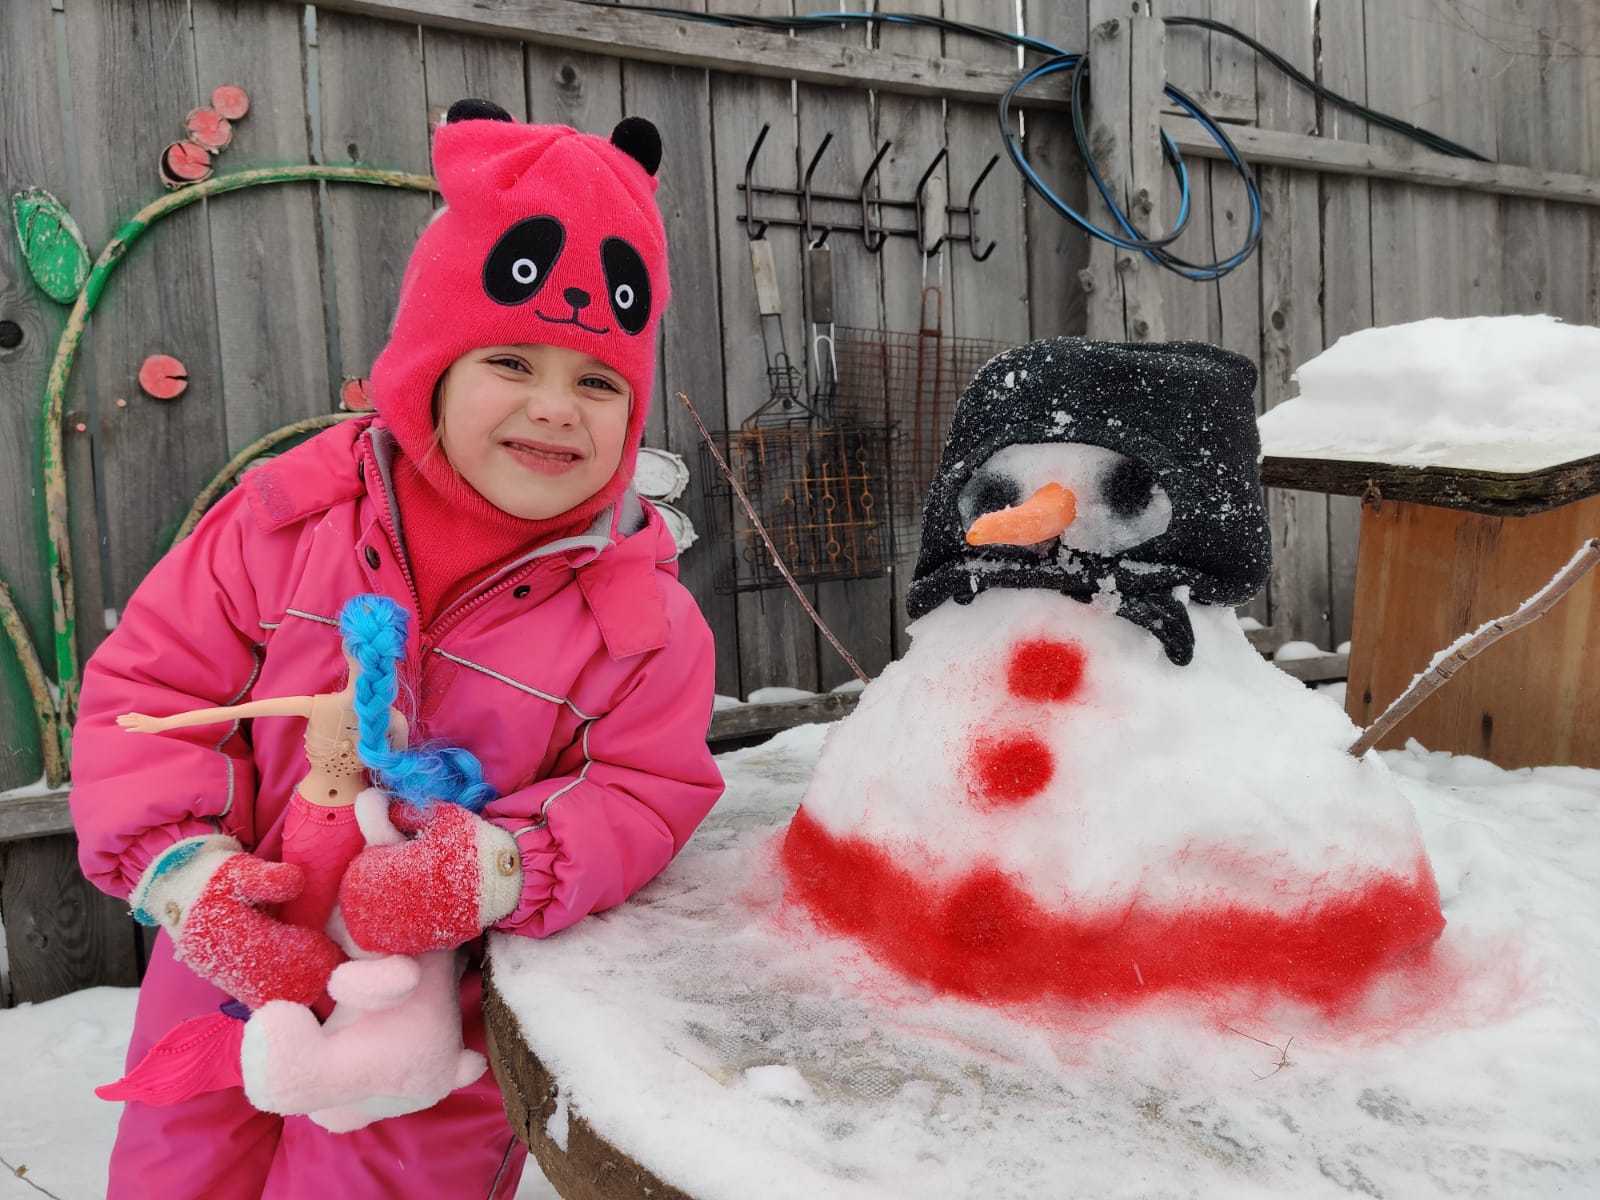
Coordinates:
(536,430)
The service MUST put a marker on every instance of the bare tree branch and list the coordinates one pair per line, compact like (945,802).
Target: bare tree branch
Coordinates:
(771,549)
(1450,660)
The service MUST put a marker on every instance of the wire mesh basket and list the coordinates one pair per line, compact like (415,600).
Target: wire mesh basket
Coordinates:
(908,383)
(821,493)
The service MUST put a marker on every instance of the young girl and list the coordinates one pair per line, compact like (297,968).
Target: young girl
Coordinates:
(491,497)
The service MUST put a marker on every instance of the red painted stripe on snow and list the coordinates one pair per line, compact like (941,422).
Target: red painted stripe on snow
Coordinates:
(985,938)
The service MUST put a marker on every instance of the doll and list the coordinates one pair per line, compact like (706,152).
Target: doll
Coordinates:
(342,1074)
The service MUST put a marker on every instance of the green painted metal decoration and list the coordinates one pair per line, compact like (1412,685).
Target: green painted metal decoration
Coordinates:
(57,712)
(52,244)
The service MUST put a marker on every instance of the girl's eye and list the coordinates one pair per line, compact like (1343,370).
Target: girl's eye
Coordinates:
(510,364)
(599,381)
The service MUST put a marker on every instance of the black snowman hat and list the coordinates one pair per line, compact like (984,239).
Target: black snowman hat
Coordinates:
(1183,411)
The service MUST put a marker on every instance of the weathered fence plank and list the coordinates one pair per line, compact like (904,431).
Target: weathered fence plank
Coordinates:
(139,58)
(372,229)
(678,100)
(61,933)
(858,611)
(1291,324)
(270,324)
(1347,274)
(1057,249)
(777,642)
(32,154)
(914,128)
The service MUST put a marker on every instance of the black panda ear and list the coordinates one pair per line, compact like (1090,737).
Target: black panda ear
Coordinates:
(475,110)
(639,140)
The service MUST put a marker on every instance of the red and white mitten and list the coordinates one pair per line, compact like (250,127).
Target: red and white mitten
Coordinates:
(444,886)
(206,893)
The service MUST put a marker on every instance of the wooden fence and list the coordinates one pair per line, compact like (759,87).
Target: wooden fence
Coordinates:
(272,296)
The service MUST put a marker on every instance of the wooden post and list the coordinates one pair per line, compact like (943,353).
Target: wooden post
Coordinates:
(1127,46)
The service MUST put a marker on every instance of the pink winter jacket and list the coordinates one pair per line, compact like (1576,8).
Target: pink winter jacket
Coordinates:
(581,676)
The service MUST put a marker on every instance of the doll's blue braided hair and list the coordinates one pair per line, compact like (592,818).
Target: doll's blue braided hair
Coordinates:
(374,632)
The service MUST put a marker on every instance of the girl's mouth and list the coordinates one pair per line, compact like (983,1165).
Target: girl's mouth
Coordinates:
(549,460)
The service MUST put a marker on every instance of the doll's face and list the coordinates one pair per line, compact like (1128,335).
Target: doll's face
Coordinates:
(536,430)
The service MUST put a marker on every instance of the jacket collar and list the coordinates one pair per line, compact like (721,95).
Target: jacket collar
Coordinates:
(614,562)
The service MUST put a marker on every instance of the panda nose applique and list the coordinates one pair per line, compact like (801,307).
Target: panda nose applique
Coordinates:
(576,297)
(1042,516)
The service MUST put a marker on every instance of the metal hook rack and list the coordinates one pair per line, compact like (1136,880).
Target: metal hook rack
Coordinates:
(874,231)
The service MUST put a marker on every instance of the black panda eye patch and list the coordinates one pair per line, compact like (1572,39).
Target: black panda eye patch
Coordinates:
(627,284)
(521,260)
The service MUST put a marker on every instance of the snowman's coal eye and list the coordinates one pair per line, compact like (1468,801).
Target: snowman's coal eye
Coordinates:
(987,492)
(521,260)
(627,284)
(1127,488)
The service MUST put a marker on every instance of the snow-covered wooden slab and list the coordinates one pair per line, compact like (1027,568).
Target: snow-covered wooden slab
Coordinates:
(1493,414)
(705,1041)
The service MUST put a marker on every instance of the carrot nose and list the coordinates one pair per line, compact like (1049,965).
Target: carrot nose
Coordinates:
(1039,518)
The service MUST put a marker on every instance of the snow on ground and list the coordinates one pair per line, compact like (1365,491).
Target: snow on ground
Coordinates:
(1512,393)
(1490,1095)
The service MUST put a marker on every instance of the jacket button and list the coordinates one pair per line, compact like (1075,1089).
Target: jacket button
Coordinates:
(372,557)
(521,592)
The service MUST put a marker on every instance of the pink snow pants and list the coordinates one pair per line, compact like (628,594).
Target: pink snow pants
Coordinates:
(217,1147)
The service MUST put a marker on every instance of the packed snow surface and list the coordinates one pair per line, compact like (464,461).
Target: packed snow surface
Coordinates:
(1517,393)
(716,1035)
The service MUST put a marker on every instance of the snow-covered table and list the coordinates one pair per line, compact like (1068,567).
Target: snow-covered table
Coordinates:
(1474,445)
(1443,549)
(704,1041)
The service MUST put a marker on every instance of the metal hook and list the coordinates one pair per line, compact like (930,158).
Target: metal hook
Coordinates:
(921,187)
(813,239)
(972,214)
(873,235)
(753,229)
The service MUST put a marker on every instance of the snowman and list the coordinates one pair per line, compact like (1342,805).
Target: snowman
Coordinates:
(1081,783)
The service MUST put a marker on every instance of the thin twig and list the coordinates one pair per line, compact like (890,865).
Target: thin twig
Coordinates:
(44,705)
(771,549)
(1282,1051)
(22,1174)
(1448,663)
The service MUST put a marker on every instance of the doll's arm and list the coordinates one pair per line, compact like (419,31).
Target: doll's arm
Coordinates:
(399,730)
(278,706)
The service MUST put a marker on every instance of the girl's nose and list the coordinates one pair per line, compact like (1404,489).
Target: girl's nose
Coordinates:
(553,403)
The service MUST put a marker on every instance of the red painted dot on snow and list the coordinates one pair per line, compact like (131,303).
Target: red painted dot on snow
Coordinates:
(1010,768)
(230,101)
(163,376)
(208,128)
(1045,669)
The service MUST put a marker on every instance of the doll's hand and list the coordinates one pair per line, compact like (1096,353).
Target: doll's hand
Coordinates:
(204,892)
(140,723)
(441,888)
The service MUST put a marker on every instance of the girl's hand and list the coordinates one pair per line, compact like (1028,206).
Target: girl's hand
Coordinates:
(140,723)
(457,876)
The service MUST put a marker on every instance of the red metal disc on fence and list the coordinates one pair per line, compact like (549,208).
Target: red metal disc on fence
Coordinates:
(208,128)
(230,101)
(163,376)
(184,163)
(355,395)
